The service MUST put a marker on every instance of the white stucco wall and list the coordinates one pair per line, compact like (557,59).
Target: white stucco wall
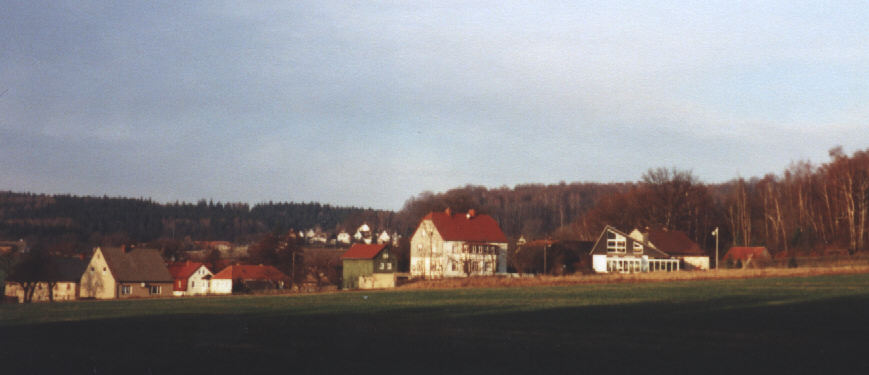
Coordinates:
(220,286)
(598,263)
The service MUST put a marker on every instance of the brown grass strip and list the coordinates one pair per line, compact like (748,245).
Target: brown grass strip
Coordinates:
(542,280)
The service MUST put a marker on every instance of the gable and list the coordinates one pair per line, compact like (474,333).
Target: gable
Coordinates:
(617,243)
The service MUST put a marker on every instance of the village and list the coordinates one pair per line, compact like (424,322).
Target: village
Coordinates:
(445,245)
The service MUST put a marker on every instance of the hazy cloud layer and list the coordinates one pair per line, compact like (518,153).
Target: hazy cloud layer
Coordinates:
(368,104)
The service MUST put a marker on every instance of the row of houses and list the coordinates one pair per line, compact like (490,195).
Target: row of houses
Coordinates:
(115,273)
(445,244)
(448,244)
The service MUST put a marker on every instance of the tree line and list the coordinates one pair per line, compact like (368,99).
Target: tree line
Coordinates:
(807,208)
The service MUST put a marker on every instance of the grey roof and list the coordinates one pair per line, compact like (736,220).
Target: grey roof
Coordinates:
(139,265)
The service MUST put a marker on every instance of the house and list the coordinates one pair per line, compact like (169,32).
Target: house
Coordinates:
(616,251)
(447,244)
(191,278)
(343,238)
(363,234)
(368,267)
(246,278)
(676,244)
(743,255)
(384,237)
(52,279)
(117,273)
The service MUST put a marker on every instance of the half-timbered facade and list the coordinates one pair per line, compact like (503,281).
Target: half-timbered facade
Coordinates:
(457,245)
(368,267)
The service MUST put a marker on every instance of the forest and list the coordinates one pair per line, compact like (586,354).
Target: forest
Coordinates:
(806,209)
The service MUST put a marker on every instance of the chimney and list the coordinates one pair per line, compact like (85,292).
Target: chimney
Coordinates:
(471,213)
(448,212)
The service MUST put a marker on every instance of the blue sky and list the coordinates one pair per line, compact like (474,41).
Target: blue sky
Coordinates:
(370,103)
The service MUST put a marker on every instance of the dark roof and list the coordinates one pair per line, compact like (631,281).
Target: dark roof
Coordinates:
(745,253)
(54,268)
(466,227)
(363,251)
(138,265)
(250,272)
(674,242)
(600,246)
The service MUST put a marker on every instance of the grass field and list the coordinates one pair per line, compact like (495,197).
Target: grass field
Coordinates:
(799,324)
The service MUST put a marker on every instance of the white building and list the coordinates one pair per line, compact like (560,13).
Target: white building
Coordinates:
(457,245)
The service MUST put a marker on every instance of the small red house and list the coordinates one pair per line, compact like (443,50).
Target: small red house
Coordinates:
(191,278)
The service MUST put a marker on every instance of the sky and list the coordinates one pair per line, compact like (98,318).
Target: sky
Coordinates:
(370,103)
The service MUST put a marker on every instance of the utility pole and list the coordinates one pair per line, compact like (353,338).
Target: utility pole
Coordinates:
(715,233)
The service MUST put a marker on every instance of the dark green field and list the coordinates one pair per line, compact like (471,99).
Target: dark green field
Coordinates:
(803,325)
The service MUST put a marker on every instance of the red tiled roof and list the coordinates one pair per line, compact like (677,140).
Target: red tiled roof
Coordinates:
(462,227)
(674,242)
(744,253)
(363,251)
(183,270)
(250,272)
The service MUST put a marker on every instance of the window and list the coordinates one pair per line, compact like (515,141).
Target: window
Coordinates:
(382,266)
(154,289)
(615,242)
(192,284)
(389,266)
(125,290)
(638,247)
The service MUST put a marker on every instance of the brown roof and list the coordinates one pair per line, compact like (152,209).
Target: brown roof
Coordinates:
(363,251)
(674,242)
(250,272)
(139,265)
(466,227)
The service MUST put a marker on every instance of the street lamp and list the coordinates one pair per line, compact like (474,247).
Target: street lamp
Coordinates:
(715,233)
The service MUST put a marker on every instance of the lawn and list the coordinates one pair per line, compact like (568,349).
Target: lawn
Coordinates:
(799,324)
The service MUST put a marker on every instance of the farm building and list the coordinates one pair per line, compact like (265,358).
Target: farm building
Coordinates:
(191,278)
(117,273)
(615,251)
(368,267)
(447,244)
(246,278)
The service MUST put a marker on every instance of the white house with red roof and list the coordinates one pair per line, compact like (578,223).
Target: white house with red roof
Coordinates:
(447,244)
(191,278)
